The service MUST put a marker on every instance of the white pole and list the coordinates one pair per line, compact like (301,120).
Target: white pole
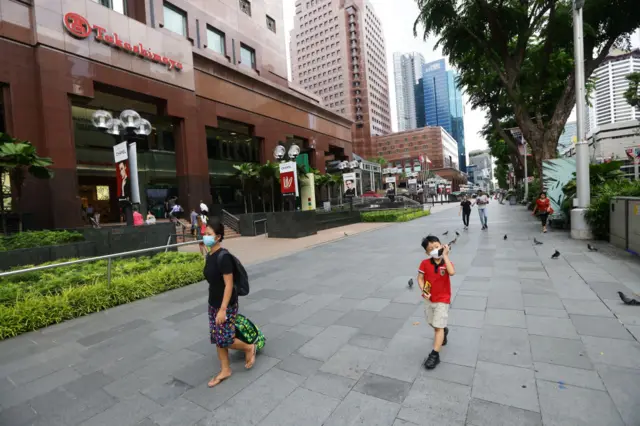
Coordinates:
(526,174)
(579,227)
(636,168)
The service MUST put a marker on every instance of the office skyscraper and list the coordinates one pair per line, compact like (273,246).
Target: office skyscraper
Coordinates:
(407,70)
(443,104)
(338,53)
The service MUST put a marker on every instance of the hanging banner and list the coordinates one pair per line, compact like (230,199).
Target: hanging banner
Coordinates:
(391,185)
(123,173)
(288,178)
(349,181)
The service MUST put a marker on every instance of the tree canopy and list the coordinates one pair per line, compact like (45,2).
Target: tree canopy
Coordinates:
(515,57)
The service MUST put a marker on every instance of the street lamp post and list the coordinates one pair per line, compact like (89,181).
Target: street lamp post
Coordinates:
(283,152)
(127,129)
(579,228)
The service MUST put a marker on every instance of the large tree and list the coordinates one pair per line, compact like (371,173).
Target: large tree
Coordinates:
(517,55)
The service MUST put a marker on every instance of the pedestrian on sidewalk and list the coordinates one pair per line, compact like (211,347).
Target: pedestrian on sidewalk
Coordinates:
(204,209)
(434,279)
(223,302)
(543,208)
(482,201)
(194,222)
(465,210)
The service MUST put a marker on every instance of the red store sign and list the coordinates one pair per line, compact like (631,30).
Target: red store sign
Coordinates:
(79,27)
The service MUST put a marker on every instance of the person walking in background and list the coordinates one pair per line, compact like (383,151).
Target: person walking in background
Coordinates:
(204,209)
(543,207)
(223,303)
(194,222)
(465,210)
(138,220)
(482,201)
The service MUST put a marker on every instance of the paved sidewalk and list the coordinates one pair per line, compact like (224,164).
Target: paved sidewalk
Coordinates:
(533,341)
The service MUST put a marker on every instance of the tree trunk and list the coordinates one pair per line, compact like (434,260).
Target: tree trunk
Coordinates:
(244,197)
(273,198)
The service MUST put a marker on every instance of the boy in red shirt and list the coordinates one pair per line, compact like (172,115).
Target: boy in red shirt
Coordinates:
(434,281)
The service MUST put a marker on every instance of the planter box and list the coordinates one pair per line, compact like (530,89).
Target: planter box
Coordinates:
(116,239)
(38,255)
(247,221)
(296,224)
(334,220)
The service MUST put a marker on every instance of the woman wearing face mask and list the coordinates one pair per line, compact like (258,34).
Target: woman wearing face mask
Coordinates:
(223,302)
(543,207)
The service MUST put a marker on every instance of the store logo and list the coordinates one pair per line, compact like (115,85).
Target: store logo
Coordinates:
(79,27)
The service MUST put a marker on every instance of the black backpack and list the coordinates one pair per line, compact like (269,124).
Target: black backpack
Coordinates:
(240,276)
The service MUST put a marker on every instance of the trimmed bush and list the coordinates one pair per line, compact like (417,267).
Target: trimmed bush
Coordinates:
(31,239)
(403,215)
(599,210)
(36,303)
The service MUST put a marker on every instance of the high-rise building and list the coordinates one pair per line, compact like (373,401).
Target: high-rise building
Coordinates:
(443,104)
(407,72)
(338,53)
(481,169)
(608,104)
(568,136)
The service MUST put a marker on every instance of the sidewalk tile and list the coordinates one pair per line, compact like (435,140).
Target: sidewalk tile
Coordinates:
(462,347)
(383,327)
(600,327)
(329,384)
(505,385)
(587,307)
(505,318)
(323,318)
(619,353)
(356,318)
(179,412)
(505,345)
(466,318)
(450,373)
(553,327)
(324,345)
(127,411)
(311,406)
(545,312)
(485,413)
(433,401)
(552,350)
(370,342)
(350,361)
(505,300)
(397,310)
(564,405)
(623,385)
(472,303)
(358,408)
(386,388)
(568,375)
(542,301)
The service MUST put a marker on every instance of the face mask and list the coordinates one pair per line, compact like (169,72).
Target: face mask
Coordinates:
(209,240)
(435,253)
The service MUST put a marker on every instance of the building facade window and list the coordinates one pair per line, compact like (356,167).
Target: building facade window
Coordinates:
(247,56)
(119,6)
(271,23)
(215,40)
(175,19)
(245,6)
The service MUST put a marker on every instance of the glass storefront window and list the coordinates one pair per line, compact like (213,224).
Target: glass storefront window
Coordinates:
(175,19)
(94,156)
(119,6)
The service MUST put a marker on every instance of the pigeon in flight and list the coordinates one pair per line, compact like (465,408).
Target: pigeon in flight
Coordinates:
(591,248)
(446,233)
(410,282)
(626,300)
(536,242)
(505,237)
(555,255)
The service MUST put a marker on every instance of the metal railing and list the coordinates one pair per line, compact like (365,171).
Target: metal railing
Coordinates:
(108,257)
(231,221)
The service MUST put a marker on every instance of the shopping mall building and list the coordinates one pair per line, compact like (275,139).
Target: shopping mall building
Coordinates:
(210,76)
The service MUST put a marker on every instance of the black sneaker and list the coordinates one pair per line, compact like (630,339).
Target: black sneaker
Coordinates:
(432,360)
(446,331)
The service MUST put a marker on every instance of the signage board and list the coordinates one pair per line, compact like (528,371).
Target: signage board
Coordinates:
(120,152)
(288,178)
(349,181)
(79,27)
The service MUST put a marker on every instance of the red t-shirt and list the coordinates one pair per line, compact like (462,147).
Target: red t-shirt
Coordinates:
(543,205)
(438,277)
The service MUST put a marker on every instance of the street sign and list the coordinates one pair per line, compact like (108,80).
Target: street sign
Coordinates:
(288,178)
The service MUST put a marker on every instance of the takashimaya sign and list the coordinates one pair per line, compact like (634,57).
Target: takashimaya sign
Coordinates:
(79,27)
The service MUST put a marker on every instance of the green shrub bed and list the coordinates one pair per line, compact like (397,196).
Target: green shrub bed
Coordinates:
(35,300)
(31,239)
(394,215)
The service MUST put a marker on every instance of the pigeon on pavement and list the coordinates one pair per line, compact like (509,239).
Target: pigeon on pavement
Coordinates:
(591,248)
(536,242)
(555,255)
(410,282)
(628,301)
(505,237)
(457,234)
(446,233)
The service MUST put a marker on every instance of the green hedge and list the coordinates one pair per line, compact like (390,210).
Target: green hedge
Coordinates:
(31,239)
(599,210)
(394,215)
(31,302)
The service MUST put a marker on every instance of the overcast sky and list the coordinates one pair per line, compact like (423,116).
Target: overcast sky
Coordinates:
(397,18)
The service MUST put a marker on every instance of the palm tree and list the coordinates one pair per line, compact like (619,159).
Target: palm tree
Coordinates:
(268,173)
(246,173)
(17,158)
(323,181)
(379,160)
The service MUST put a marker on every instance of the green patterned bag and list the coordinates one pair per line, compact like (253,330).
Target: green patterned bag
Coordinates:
(249,333)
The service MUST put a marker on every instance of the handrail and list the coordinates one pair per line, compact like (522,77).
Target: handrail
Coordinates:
(231,221)
(96,258)
(229,214)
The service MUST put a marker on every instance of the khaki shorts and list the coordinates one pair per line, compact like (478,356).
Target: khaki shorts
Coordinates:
(437,314)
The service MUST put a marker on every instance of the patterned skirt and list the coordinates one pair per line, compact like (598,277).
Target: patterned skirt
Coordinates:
(222,335)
